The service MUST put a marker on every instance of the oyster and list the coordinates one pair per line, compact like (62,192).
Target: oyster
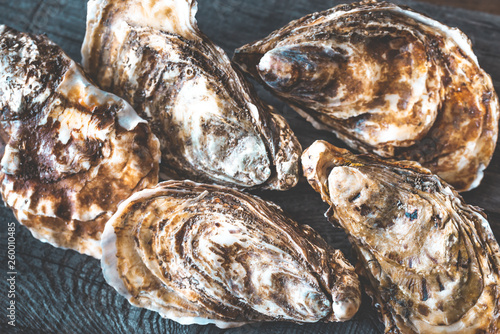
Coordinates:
(431,261)
(386,80)
(210,124)
(72,151)
(208,254)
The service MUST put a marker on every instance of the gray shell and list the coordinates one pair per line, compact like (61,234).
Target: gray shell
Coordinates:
(210,124)
(431,262)
(387,80)
(72,151)
(207,254)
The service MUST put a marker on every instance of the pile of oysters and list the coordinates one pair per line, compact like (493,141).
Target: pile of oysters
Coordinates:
(84,147)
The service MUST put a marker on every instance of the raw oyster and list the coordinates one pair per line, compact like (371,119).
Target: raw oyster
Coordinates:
(386,80)
(72,151)
(210,124)
(205,254)
(432,261)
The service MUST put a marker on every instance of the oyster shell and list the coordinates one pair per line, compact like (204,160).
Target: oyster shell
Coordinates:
(72,151)
(210,125)
(208,254)
(386,80)
(431,261)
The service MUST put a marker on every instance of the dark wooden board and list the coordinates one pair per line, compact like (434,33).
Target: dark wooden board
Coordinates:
(61,291)
(488,6)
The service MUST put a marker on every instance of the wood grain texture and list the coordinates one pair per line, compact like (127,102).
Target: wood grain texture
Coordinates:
(489,6)
(61,291)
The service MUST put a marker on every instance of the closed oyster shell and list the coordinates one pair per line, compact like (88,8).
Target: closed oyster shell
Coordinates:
(386,80)
(72,151)
(210,125)
(431,261)
(207,254)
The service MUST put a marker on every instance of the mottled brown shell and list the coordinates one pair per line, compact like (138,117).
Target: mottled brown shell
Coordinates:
(431,261)
(208,254)
(386,80)
(211,126)
(72,151)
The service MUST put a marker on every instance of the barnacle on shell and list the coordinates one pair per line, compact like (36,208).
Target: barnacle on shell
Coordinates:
(72,152)
(204,254)
(431,261)
(387,80)
(210,124)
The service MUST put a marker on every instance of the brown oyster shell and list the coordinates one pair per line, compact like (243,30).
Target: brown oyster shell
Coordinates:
(431,261)
(208,254)
(211,126)
(72,151)
(387,80)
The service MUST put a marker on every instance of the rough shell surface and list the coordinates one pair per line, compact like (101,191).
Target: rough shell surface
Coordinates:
(387,80)
(72,152)
(210,124)
(208,254)
(431,262)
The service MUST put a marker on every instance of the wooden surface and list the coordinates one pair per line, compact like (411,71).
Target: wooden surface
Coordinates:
(60,291)
(488,6)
